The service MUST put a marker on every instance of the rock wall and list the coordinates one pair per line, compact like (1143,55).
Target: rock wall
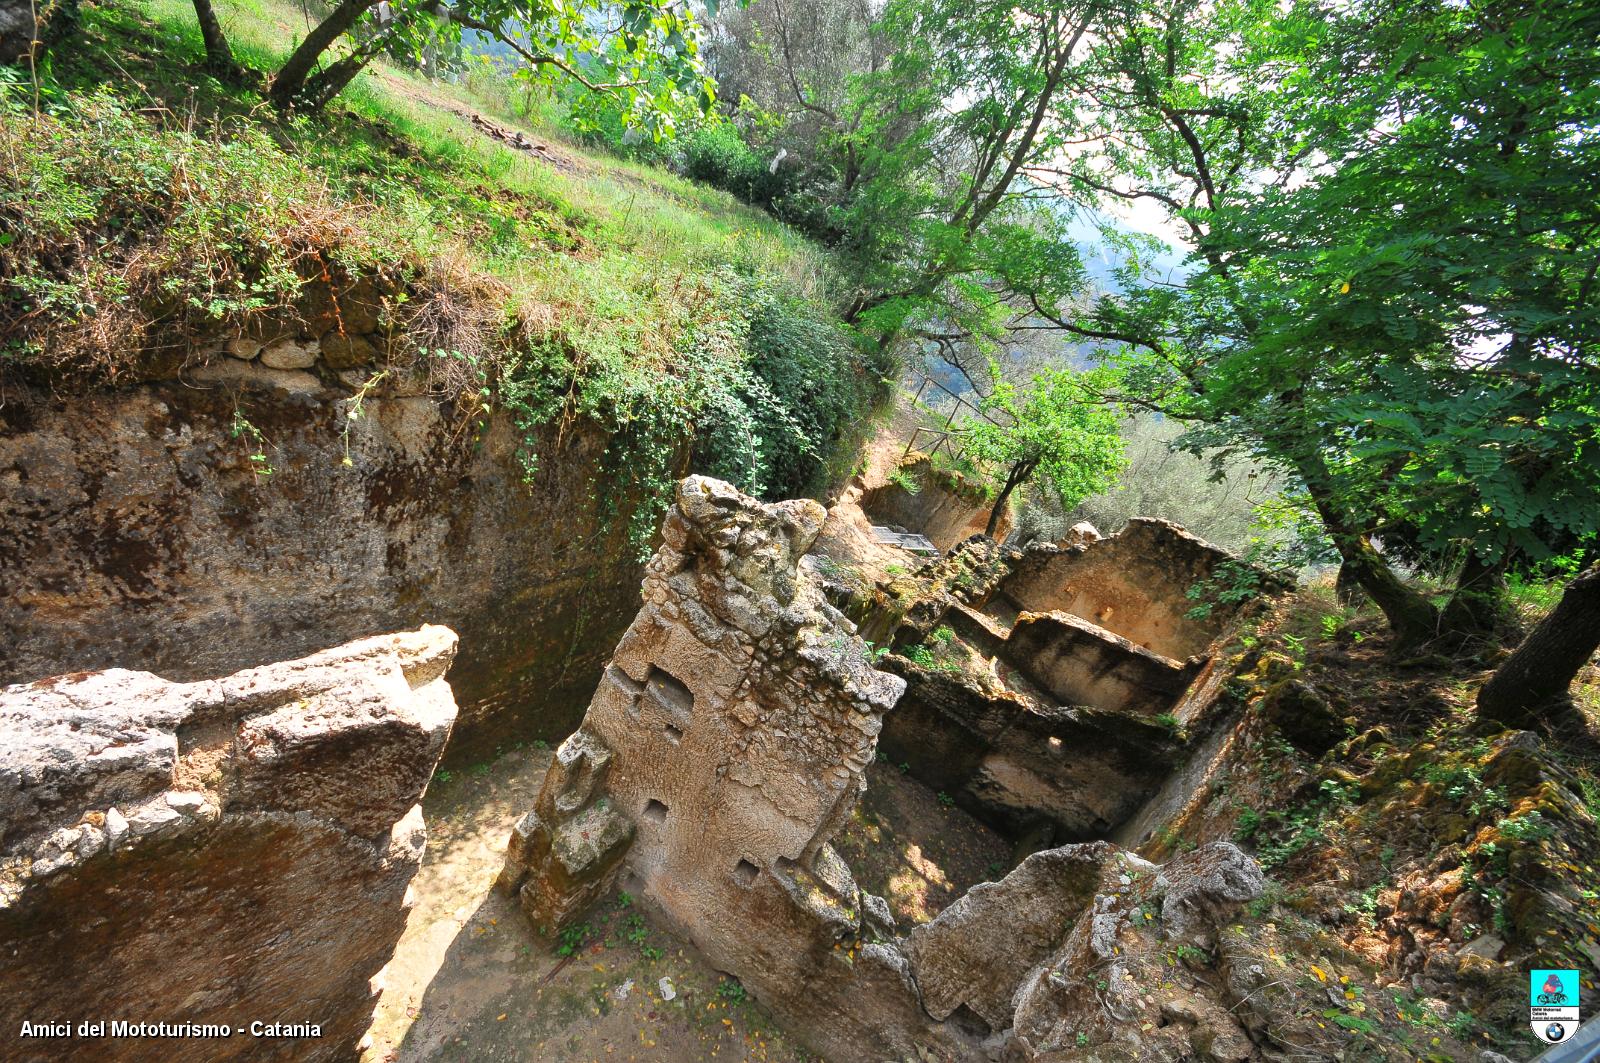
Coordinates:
(1077,664)
(944,507)
(224,852)
(1134,584)
(136,526)
(723,751)
(1029,770)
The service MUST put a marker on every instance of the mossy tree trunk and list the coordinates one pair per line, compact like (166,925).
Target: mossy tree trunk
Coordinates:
(290,81)
(1539,673)
(1411,616)
(1478,603)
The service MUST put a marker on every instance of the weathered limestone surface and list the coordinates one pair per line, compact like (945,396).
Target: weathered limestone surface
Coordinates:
(1133,584)
(1030,910)
(732,731)
(1108,985)
(135,526)
(724,749)
(1024,766)
(1077,663)
(226,851)
(945,508)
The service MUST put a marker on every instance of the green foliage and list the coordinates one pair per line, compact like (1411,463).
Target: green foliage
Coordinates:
(1054,429)
(732,991)
(699,334)
(573,938)
(1347,1021)
(1215,495)
(906,481)
(1411,340)
(1249,820)
(254,441)
(645,54)
(1231,583)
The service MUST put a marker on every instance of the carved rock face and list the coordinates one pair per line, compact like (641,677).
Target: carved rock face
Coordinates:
(726,746)
(224,852)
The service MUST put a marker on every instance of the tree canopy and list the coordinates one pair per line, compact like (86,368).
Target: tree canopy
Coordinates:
(1389,214)
(1049,430)
(645,51)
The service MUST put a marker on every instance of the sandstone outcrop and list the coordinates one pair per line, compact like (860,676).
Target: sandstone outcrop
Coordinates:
(1150,583)
(725,748)
(223,852)
(136,525)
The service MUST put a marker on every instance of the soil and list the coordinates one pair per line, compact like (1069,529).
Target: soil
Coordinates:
(916,851)
(471,981)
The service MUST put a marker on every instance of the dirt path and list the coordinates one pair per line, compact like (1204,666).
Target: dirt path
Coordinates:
(470,980)
(542,148)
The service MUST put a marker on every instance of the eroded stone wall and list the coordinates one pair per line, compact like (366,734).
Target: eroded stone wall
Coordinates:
(726,747)
(223,852)
(1134,584)
(139,526)
(944,507)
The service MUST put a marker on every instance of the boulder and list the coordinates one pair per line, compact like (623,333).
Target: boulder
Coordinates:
(1303,715)
(222,852)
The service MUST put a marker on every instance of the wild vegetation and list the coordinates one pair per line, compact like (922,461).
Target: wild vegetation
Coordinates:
(142,219)
(1374,276)
(1320,280)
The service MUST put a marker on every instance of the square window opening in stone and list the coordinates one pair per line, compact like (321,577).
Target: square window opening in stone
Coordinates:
(655,811)
(744,873)
(674,734)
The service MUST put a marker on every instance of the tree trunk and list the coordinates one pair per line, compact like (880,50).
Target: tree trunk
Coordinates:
(331,79)
(1477,605)
(291,78)
(1345,588)
(219,57)
(1014,479)
(1411,616)
(1538,674)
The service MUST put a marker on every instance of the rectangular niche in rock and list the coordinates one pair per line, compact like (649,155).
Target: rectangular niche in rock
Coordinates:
(671,696)
(655,811)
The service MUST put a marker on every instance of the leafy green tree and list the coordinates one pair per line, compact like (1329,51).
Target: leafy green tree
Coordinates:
(1391,288)
(1052,430)
(645,51)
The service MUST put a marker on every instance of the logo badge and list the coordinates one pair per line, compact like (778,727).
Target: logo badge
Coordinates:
(1553,1004)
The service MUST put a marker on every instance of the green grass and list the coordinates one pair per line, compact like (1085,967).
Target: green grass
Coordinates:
(159,208)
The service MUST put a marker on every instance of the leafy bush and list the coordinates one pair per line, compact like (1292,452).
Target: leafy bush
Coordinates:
(797,392)
(715,153)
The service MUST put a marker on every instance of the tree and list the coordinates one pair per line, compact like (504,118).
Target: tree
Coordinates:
(1541,670)
(219,57)
(1052,429)
(644,50)
(1390,291)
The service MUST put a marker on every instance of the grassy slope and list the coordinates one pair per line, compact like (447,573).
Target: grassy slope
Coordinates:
(598,254)
(149,209)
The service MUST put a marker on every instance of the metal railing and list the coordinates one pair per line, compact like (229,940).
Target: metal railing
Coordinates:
(946,437)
